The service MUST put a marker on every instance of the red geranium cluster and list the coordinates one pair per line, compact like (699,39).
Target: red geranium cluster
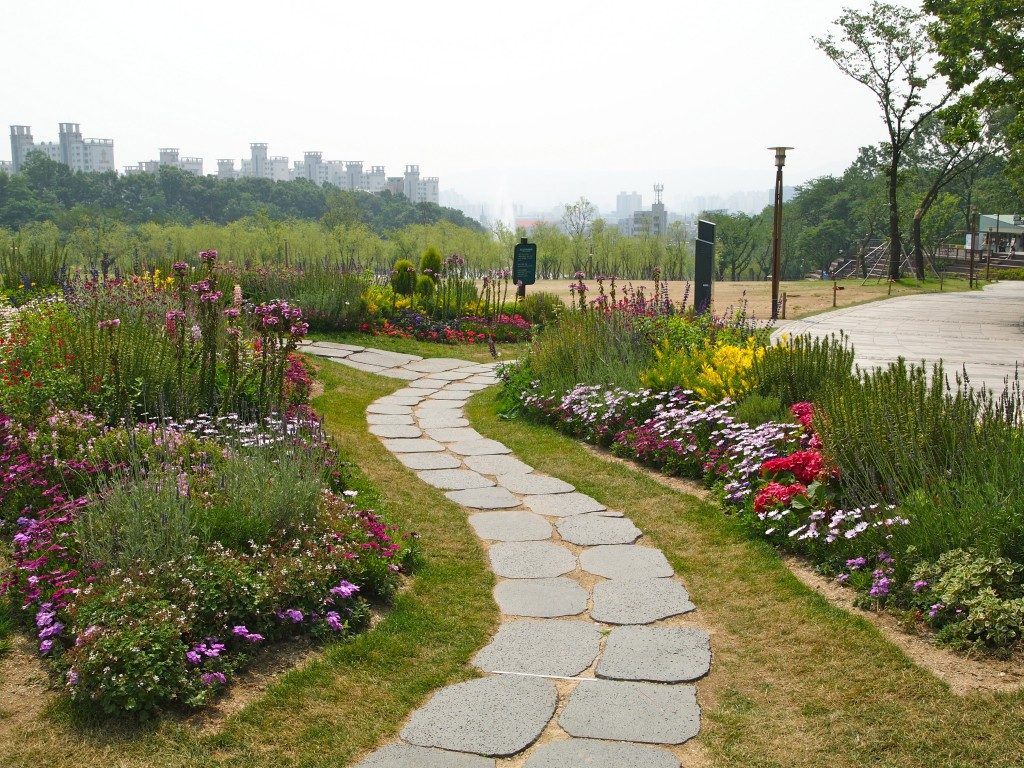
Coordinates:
(805,466)
(777,494)
(804,413)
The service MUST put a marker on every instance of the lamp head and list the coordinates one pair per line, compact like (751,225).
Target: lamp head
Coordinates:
(780,155)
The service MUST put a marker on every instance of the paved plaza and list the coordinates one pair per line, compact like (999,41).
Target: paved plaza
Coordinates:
(982,331)
(592,663)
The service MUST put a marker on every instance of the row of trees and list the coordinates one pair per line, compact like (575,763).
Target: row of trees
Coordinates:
(45,190)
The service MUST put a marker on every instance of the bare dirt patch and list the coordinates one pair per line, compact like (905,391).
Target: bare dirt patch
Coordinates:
(24,687)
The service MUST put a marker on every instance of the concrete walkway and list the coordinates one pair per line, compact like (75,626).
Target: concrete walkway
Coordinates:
(593,660)
(980,330)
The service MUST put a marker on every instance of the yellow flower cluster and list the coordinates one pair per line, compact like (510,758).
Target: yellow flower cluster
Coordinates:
(714,372)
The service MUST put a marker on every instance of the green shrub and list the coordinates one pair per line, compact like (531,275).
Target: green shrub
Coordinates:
(590,348)
(972,599)
(795,370)
(541,308)
(403,277)
(431,264)
(425,289)
(755,409)
(1016,273)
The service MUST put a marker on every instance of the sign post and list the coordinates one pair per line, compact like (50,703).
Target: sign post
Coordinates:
(704,252)
(524,265)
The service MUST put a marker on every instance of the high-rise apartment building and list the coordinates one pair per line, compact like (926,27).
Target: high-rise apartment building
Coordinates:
(169,158)
(79,154)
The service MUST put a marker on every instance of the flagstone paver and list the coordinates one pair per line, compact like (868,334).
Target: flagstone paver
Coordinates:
(563,504)
(588,753)
(499,715)
(534,484)
(510,526)
(530,559)
(556,605)
(557,647)
(623,711)
(541,598)
(625,561)
(593,529)
(656,654)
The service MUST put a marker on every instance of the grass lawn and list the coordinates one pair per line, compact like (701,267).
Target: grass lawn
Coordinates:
(477,353)
(6,625)
(335,708)
(795,681)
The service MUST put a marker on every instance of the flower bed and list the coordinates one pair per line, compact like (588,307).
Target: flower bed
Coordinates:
(408,324)
(136,420)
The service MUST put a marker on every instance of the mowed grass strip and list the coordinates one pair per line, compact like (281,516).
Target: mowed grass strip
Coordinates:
(357,693)
(477,353)
(795,682)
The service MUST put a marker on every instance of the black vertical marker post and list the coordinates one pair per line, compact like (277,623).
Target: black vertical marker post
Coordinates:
(704,266)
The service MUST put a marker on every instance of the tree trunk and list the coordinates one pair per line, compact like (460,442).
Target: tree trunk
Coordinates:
(895,247)
(918,246)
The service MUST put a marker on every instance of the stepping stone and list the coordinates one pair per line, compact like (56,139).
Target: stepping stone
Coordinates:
(534,484)
(393,410)
(382,359)
(455,434)
(440,405)
(639,601)
(484,379)
(359,366)
(483,447)
(576,753)
(465,386)
(397,400)
(411,392)
(644,712)
(446,376)
(334,345)
(499,715)
(336,356)
(656,654)
(530,560)
(395,430)
(496,464)
(453,479)
(399,373)
(563,504)
(416,445)
(541,598)
(484,498)
(429,383)
(387,418)
(510,526)
(447,394)
(625,561)
(541,647)
(443,420)
(436,364)
(428,460)
(593,529)
(409,756)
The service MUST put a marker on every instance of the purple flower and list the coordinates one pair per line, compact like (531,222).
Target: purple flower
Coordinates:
(934,610)
(919,585)
(334,621)
(254,637)
(194,658)
(240,631)
(209,678)
(51,631)
(855,563)
(72,677)
(842,578)
(46,646)
(294,614)
(344,589)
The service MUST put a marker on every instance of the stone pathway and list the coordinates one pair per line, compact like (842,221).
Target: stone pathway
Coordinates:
(980,330)
(594,661)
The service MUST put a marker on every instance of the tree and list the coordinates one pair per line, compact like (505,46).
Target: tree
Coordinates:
(981,50)
(941,155)
(577,220)
(740,237)
(888,51)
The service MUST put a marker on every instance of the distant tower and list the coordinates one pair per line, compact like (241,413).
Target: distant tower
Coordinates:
(260,168)
(411,188)
(70,138)
(659,216)
(21,145)
(225,168)
(658,189)
(169,156)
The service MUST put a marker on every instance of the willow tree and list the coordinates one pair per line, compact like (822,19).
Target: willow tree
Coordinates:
(887,50)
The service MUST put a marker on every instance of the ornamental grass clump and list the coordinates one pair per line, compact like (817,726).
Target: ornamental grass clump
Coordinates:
(796,369)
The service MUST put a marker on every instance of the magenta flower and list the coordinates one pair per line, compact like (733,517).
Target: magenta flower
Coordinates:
(344,589)
(334,621)
(209,678)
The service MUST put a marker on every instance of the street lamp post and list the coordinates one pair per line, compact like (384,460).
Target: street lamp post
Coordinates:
(780,160)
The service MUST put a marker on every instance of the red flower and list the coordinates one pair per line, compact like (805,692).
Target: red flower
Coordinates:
(805,466)
(777,494)
(804,413)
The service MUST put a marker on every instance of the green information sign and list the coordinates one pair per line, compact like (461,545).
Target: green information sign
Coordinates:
(524,263)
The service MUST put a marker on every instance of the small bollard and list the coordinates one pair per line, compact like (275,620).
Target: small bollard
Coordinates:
(783,305)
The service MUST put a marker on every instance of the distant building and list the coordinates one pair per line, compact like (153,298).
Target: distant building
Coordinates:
(395,185)
(85,155)
(226,169)
(6,166)
(626,204)
(653,222)
(169,158)
(419,190)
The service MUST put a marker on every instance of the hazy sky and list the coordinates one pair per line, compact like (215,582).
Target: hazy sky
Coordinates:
(532,102)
